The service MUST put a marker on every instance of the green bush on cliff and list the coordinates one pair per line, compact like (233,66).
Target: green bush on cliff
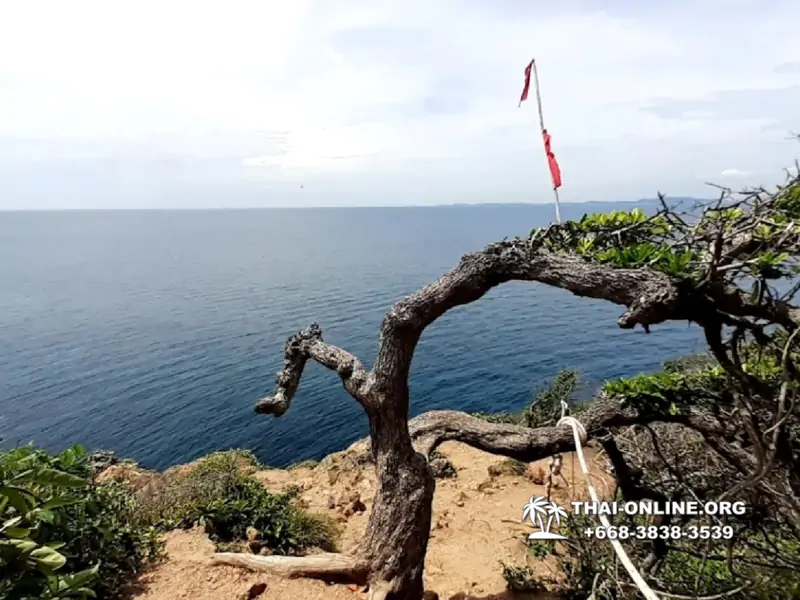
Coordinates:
(223,497)
(64,535)
(760,561)
(61,534)
(545,407)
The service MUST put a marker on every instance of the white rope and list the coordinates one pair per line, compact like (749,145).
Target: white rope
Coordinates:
(579,433)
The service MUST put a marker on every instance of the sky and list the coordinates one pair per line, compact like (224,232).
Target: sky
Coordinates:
(173,104)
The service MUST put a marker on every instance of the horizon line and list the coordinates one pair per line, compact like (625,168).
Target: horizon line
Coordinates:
(344,206)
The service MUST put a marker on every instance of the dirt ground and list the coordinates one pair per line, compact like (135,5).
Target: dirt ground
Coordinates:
(476,527)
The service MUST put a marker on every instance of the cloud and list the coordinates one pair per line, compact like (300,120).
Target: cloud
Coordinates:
(734,173)
(789,67)
(260,161)
(772,107)
(413,98)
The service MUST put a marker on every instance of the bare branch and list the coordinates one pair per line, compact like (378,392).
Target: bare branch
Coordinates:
(321,566)
(308,344)
(430,429)
(651,297)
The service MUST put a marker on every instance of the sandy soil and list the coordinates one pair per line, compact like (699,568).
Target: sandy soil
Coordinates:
(476,527)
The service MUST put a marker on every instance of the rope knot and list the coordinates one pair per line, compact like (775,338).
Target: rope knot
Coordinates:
(576,426)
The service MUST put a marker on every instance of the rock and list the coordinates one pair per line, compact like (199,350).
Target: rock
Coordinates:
(485,485)
(354,497)
(333,475)
(348,512)
(256,590)
(442,468)
(358,506)
(508,467)
(535,474)
(459,503)
(100,460)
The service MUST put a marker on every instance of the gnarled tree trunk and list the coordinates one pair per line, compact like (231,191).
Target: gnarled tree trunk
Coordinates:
(391,556)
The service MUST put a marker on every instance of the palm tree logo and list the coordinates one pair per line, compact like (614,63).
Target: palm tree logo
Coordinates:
(538,508)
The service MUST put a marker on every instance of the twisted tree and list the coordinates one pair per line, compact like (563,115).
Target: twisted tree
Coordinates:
(722,265)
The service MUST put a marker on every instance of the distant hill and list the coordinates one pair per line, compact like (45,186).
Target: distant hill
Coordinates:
(669,199)
(640,201)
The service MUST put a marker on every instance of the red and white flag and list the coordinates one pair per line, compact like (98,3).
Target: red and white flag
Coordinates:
(527,83)
(555,171)
(552,163)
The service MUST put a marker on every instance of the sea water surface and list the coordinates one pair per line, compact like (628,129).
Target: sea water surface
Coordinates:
(152,333)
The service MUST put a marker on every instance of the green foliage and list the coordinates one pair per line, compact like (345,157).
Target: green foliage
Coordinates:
(285,529)
(689,364)
(520,579)
(444,468)
(687,569)
(236,456)
(63,536)
(666,242)
(625,239)
(655,385)
(540,549)
(585,559)
(723,256)
(218,494)
(500,417)
(545,409)
(690,569)
(788,202)
(696,376)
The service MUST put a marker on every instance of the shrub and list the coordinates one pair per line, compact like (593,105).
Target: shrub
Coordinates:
(62,535)
(696,570)
(501,417)
(441,467)
(545,407)
(540,549)
(521,579)
(225,500)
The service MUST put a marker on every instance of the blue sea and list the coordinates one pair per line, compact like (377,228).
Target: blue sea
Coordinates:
(152,333)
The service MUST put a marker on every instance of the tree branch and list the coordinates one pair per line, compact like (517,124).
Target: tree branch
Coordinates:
(733,301)
(432,428)
(308,344)
(650,296)
(327,566)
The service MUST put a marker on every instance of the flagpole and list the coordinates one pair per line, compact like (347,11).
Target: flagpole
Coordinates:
(541,127)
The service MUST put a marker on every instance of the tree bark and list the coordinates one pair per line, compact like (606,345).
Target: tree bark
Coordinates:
(391,556)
